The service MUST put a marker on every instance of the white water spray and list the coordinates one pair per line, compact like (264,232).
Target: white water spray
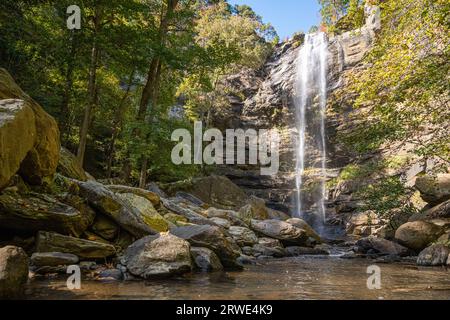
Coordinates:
(310,103)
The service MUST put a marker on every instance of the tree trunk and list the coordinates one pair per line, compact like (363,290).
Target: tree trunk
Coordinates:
(68,87)
(92,89)
(117,124)
(151,89)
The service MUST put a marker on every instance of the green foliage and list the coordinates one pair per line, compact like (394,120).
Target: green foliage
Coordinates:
(204,41)
(342,15)
(387,196)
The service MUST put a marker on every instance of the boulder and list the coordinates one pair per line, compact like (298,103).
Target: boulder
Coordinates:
(221,222)
(123,209)
(381,246)
(441,211)
(190,215)
(418,235)
(254,209)
(175,218)
(230,215)
(434,189)
(69,166)
(205,259)
(277,215)
(35,212)
(150,196)
(17,136)
(161,255)
(105,227)
(212,238)
(54,242)
(261,250)
(41,162)
(283,231)
(189,197)
(217,191)
(302,224)
(302,251)
(243,236)
(269,242)
(40,259)
(13,272)
(435,255)
(150,216)
(110,275)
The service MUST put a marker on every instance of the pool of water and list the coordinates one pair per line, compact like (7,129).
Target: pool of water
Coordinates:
(285,279)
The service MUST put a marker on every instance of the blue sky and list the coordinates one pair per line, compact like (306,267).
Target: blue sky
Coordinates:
(287,16)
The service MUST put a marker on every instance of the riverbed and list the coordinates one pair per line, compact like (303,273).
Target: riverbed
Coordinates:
(302,278)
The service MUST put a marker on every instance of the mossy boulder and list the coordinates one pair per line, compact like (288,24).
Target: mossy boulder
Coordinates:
(150,196)
(41,161)
(54,242)
(133,213)
(35,212)
(17,136)
(150,216)
(69,166)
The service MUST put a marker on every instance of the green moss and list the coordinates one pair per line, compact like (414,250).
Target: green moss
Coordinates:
(156,222)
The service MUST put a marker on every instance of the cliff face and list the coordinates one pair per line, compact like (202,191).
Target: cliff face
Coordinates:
(265,99)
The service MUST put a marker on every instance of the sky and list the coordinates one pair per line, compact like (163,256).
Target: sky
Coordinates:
(287,16)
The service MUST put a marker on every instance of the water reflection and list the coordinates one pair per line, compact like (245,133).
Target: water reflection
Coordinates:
(302,278)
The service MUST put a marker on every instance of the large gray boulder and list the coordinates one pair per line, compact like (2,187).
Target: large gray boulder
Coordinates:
(205,259)
(133,213)
(17,136)
(434,189)
(281,230)
(418,235)
(54,242)
(161,255)
(243,236)
(13,272)
(435,255)
(212,238)
(35,212)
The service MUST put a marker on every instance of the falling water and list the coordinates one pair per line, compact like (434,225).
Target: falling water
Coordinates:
(310,103)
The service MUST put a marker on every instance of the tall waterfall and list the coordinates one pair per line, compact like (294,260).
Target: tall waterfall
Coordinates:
(310,103)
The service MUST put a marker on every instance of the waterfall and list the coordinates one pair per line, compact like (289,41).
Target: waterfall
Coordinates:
(310,104)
